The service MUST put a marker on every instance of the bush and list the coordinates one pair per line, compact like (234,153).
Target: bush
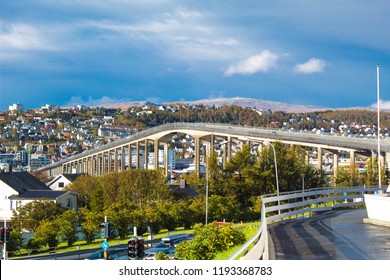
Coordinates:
(208,241)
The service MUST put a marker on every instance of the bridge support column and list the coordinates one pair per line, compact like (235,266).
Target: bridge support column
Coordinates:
(156,146)
(98,163)
(335,166)
(352,159)
(166,160)
(91,163)
(146,155)
(137,155)
(319,158)
(197,156)
(122,161)
(115,160)
(104,163)
(129,157)
(229,148)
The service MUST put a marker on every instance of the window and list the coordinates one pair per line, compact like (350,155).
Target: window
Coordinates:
(61,184)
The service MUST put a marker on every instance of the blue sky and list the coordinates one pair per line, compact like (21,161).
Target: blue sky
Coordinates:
(317,52)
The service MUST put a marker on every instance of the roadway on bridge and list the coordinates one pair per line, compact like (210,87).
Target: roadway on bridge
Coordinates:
(333,235)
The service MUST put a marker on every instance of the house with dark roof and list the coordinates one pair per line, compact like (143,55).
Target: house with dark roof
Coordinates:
(19,188)
(183,190)
(63,180)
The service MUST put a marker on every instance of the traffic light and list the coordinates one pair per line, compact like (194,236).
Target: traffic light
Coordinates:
(7,234)
(132,250)
(108,230)
(2,237)
(140,248)
(103,230)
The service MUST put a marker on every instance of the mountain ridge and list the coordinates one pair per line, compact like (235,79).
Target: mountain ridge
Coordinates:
(240,101)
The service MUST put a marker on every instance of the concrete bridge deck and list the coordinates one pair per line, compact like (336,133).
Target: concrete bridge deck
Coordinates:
(334,235)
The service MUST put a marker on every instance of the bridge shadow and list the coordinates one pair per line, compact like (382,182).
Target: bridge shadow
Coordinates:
(313,239)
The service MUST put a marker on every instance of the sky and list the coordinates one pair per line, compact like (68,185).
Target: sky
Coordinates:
(94,52)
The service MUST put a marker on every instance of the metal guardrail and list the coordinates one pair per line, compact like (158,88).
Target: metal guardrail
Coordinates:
(293,204)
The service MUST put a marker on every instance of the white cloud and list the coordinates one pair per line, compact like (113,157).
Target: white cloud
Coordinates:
(105,100)
(313,65)
(262,62)
(383,105)
(22,36)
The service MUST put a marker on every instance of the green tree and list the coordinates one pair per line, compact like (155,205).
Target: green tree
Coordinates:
(120,219)
(47,234)
(29,216)
(347,176)
(15,242)
(67,224)
(90,222)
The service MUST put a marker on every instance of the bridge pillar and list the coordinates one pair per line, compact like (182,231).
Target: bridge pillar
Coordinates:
(197,156)
(229,148)
(166,163)
(122,160)
(104,162)
(95,161)
(98,162)
(137,155)
(129,156)
(335,166)
(319,158)
(156,146)
(90,165)
(352,158)
(115,159)
(146,155)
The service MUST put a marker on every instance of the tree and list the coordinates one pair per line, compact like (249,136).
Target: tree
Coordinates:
(120,218)
(29,216)
(47,234)
(90,222)
(67,224)
(347,176)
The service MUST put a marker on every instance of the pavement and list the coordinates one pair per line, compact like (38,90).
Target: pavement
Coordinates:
(333,235)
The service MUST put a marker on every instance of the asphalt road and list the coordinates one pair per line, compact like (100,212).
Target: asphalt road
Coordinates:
(335,235)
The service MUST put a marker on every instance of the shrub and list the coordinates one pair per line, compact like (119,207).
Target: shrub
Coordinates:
(208,241)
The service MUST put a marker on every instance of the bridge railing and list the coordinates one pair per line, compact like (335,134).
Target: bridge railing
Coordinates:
(296,204)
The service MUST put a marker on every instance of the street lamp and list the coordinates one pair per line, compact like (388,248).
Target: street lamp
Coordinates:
(379,143)
(207,179)
(276,172)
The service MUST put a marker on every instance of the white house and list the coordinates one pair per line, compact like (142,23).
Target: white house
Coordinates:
(62,180)
(19,188)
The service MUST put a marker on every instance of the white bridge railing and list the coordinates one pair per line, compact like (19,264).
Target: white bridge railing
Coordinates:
(295,204)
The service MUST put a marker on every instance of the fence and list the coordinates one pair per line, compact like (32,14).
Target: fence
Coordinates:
(289,205)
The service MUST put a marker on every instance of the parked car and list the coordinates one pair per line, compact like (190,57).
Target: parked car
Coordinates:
(167,246)
(112,254)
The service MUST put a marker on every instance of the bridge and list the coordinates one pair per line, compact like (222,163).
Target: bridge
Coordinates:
(135,151)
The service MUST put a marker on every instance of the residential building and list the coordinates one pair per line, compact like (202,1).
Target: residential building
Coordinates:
(19,188)
(63,180)
(15,108)
(36,161)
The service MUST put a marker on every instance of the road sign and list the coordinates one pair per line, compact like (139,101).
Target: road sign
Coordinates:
(105,245)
